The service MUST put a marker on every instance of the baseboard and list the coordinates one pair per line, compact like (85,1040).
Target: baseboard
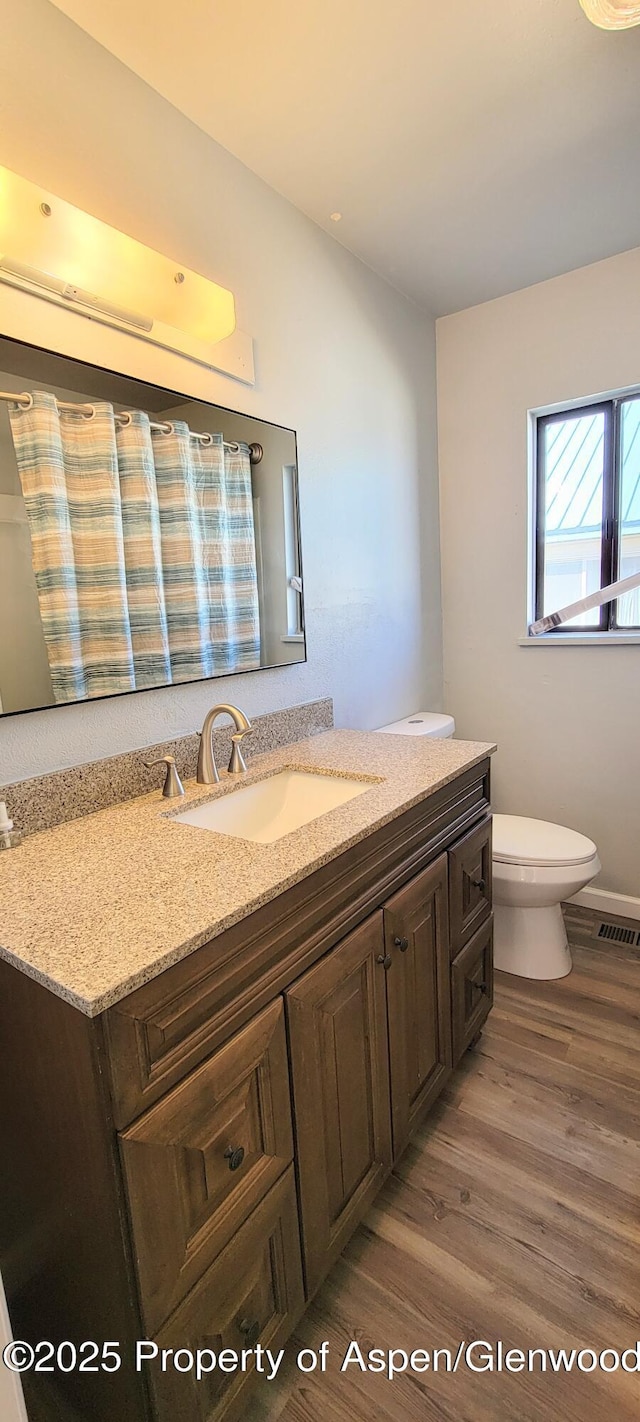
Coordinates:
(604,901)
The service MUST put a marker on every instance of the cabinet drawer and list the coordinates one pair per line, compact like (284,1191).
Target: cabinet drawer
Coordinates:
(198,1163)
(471,988)
(469,885)
(253,1293)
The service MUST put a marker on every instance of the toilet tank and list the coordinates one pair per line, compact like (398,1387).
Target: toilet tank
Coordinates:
(422,723)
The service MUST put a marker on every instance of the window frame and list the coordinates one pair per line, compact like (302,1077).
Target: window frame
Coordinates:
(610,545)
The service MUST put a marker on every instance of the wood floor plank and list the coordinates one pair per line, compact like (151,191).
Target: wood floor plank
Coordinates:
(524,1210)
(612,1061)
(513,1215)
(605,1022)
(521,1168)
(542,1118)
(577,1089)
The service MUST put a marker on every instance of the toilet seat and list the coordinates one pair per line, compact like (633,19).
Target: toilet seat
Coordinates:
(538,843)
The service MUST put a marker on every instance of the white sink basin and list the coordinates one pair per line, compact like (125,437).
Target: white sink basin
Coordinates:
(273,807)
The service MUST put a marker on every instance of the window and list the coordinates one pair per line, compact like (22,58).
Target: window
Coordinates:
(588,511)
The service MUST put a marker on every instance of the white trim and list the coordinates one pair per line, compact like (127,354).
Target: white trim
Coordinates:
(582,639)
(605,901)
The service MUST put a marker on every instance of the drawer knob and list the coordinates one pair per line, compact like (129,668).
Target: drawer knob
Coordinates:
(402,944)
(479,884)
(235,1156)
(251,1329)
(385,959)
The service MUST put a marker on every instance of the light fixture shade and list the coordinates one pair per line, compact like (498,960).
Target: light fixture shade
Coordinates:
(612,14)
(49,244)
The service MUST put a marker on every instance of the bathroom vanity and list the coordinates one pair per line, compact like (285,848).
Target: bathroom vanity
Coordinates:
(191,1147)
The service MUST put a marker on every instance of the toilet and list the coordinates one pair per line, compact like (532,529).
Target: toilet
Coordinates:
(536,866)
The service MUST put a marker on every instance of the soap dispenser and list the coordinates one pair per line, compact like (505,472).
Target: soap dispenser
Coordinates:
(10,838)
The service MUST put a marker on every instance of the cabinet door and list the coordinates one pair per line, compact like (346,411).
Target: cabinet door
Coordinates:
(198,1162)
(252,1294)
(472,988)
(339,1057)
(469,885)
(418,987)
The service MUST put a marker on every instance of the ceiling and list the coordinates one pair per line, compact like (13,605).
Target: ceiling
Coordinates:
(472,148)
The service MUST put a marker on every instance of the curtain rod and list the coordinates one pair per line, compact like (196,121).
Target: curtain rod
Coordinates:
(25,400)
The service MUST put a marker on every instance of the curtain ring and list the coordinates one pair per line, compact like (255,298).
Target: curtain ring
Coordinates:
(167,428)
(86,412)
(25,400)
(205,438)
(125,417)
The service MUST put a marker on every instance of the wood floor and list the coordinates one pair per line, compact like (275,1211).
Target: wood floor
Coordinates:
(514,1215)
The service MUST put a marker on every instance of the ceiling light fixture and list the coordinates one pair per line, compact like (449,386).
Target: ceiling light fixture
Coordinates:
(336,217)
(612,14)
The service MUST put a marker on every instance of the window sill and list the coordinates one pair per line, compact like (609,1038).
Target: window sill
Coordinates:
(582,639)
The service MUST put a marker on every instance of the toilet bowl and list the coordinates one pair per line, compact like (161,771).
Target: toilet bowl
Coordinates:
(536,866)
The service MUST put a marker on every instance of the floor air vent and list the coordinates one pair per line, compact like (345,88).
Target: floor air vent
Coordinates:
(614,933)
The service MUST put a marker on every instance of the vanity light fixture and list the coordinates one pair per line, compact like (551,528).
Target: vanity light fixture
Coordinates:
(30,279)
(612,14)
(50,249)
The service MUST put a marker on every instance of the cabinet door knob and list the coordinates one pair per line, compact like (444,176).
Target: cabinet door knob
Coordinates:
(385,959)
(479,884)
(250,1328)
(402,944)
(484,987)
(235,1156)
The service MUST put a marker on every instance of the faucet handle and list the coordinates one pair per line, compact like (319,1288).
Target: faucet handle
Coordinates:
(237,763)
(172,783)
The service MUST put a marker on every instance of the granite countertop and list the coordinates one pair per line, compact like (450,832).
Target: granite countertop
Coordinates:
(97,907)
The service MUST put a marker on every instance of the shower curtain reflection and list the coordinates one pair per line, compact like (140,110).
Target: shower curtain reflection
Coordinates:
(143,549)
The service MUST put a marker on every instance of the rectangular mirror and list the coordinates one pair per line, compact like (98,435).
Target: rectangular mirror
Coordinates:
(146,539)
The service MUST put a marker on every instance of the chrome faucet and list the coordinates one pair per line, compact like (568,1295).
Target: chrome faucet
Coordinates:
(207,768)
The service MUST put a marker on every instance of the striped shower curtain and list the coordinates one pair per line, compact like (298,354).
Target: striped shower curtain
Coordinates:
(143,549)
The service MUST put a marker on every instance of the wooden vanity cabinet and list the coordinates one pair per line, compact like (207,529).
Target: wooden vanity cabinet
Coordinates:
(470,935)
(416,937)
(199,1161)
(253,1293)
(470,885)
(187,1166)
(471,989)
(370,1042)
(340,1075)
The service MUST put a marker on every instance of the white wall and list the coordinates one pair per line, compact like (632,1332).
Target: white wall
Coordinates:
(339,356)
(567,719)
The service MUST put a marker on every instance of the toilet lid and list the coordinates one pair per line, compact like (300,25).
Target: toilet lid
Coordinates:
(517,840)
